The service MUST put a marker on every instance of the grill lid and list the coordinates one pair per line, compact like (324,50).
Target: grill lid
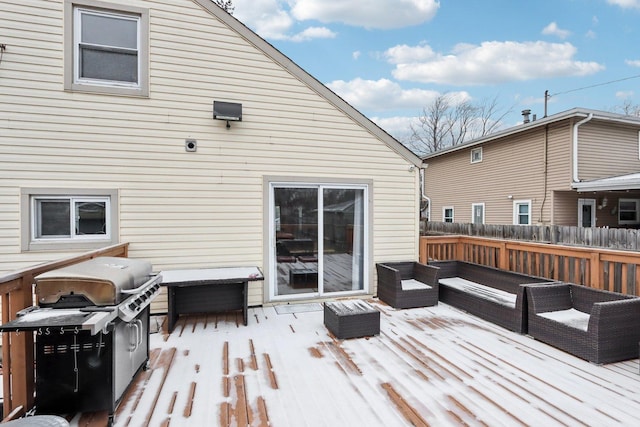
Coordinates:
(99,281)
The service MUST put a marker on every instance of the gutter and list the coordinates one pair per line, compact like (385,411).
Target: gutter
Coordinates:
(575,146)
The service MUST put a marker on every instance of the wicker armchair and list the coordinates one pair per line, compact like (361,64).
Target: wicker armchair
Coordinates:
(595,325)
(407,284)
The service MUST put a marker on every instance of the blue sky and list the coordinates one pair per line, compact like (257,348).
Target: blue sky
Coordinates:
(390,58)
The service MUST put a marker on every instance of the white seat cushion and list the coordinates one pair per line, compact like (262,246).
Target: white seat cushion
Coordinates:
(413,284)
(571,317)
(487,292)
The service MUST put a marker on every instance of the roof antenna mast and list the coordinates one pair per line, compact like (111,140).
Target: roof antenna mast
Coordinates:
(546,98)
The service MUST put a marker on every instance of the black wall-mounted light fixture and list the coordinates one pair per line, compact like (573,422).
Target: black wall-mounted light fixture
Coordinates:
(229,111)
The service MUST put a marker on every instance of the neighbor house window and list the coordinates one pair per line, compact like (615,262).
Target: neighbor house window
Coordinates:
(522,212)
(477,212)
(107,49)
(628,211)
(476,155)
(55,220)
(447,214)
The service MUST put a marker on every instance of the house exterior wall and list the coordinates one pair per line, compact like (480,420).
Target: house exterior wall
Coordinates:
(183,209)
(523,166)
(509,167)
(607,149)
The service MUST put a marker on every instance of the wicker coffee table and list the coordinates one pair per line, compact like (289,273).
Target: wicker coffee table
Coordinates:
(351,319)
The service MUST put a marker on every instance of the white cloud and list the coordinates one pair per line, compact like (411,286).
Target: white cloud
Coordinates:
(490,63)
(625,4)
(624,94)
(380,14)
(313,33)
(356,54)
(553,30)
(276,19)
(398,127)
(384,95)
(632,62)
(402,54)
(591,35)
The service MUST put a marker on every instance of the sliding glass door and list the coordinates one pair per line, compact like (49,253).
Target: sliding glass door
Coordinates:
(319,237)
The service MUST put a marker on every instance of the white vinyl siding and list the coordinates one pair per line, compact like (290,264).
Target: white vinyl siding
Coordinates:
(184,209)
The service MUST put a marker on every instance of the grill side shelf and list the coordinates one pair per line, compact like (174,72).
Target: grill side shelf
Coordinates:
(57,321)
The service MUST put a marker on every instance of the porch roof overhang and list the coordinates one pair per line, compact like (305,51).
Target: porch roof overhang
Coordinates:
(613,183)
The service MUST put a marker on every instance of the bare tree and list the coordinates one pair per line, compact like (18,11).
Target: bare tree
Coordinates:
(628,108)
(447,122)
(226,5)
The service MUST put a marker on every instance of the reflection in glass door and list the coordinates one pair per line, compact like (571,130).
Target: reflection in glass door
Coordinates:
(305,264)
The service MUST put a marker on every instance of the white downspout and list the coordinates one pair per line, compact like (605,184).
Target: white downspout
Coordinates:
(575,145)
(423,196)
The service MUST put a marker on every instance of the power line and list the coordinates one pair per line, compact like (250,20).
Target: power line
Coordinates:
(595,85)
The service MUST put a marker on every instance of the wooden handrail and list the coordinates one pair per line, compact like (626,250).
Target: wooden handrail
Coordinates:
(600,268)
(17,293)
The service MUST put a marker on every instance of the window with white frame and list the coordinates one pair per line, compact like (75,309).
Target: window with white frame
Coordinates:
(477,213)
(476,155)
(522,212)
(106,49)
(628,211)
(447,214)
(53,219)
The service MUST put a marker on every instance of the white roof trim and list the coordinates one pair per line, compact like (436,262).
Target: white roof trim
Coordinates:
(309,80)
(579,113)
(622,182)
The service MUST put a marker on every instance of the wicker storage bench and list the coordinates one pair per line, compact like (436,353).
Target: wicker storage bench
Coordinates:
(351,319)
(595,325)
(490,293)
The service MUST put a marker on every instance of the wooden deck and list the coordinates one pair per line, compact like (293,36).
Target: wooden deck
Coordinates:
(432,366)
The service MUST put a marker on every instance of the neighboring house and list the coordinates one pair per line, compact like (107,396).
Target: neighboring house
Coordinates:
(575,168)
(108,135)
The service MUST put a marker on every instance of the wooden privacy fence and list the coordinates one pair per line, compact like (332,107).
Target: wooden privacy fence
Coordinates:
(17,347)
(612,270)
(611,238)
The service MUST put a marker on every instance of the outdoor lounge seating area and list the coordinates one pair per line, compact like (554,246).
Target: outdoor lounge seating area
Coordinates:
(490,293)
(595,325)
(407,284)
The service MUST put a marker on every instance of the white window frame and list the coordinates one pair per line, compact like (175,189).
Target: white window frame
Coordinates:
(478,155)
(73,12)
(516,211)
(473,212)
(586,202)
(444,211)
(30,241)
(637,211)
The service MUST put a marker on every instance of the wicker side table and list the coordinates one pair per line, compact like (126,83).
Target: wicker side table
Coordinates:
(351,319)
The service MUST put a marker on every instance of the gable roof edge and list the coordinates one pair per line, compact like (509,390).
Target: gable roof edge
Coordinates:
(313,83)
(564,115)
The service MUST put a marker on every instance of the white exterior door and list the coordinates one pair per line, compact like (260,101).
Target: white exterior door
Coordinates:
(586,212)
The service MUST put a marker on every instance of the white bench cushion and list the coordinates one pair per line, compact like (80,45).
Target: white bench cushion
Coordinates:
(571,317)
(413,284)
(487,292)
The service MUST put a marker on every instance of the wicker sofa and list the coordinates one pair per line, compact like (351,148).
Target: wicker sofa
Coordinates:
(407,284)
(489,293)
(595,325)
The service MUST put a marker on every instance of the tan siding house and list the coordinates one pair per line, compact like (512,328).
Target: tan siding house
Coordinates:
(556,170)
(135,155)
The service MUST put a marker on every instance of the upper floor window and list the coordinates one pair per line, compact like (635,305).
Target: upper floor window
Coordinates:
(80,219)
(522,212)
(447,214)
(476,155)
(106,49)
(628,211)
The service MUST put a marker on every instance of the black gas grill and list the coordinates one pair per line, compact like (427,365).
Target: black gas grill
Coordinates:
(91,329)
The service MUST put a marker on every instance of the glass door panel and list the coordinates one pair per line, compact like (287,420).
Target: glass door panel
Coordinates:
(343,240)
(296,237)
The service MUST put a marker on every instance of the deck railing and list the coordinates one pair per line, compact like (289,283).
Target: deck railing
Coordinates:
(17,293)
(598,268)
